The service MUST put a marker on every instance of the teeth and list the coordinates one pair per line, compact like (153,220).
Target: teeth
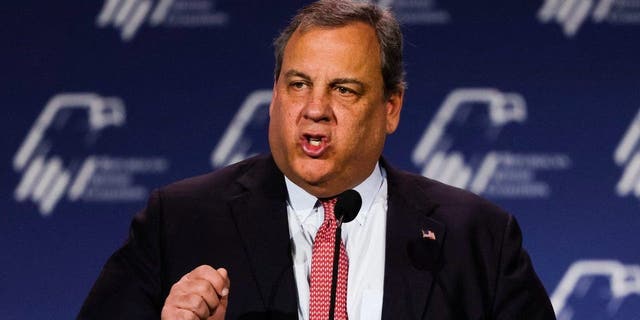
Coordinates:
(315,142)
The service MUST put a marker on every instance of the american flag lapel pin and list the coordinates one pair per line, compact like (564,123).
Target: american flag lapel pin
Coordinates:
(428,234)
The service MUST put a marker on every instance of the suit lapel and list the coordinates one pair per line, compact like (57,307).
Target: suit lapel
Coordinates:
(259,212)
(413,243)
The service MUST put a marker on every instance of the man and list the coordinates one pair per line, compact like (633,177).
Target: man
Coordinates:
(417,249)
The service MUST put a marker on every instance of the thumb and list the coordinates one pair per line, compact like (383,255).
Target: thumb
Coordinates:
(221,310)
(227,283)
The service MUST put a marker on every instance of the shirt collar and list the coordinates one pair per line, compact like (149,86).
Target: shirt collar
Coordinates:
(303,203)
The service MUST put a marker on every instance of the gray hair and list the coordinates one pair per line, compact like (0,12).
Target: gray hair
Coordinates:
(337,13)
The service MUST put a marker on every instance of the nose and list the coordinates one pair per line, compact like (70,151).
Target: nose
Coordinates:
(318,107)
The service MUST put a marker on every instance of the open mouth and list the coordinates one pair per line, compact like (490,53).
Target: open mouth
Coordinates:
(314,145)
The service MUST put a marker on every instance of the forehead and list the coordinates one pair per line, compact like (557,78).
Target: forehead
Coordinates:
(350,48)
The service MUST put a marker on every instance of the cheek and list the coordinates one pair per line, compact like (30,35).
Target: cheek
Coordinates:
(376,131)
(372,121)
(361,131)
(283,121)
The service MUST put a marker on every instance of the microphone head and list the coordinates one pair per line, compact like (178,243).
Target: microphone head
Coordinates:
(347,206)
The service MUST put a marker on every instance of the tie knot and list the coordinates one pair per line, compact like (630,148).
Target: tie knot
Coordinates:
(329,205)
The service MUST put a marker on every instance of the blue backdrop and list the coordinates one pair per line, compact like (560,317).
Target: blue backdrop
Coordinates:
(532,104)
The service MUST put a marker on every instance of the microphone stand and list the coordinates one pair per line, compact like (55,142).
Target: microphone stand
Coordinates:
(347,207)
(334,277)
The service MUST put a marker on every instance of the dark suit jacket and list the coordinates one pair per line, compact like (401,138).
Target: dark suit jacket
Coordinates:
(236,218)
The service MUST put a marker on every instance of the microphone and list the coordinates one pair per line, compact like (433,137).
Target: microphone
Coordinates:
(347,206)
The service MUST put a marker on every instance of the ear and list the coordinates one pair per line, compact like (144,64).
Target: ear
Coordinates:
(393,107)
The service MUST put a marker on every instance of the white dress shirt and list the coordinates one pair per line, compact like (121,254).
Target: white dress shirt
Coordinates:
(364,238)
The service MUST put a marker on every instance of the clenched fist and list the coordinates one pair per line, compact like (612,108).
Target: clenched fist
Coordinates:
(202,293)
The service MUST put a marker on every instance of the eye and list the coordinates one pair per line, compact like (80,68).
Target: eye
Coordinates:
(344,91)
(299,85)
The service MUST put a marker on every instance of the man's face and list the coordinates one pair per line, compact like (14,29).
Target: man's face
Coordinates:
(329,116)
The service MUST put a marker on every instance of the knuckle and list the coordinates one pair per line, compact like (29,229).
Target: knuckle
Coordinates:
(217,282)
(223,272)
(203,308)
(186,315)
(176,286)
(203,288)
(173,313)
(206,289)
(192,301)
(195,305)
(203,269)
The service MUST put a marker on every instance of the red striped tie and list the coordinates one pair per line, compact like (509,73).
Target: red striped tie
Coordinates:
(322,269)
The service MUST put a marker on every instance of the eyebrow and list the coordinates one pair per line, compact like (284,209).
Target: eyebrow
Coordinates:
(334,82)
(296,73)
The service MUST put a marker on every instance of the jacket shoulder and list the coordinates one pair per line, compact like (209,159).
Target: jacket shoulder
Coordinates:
(451,203)
(216,183)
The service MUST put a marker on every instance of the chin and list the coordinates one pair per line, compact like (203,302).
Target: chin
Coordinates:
(312,174)
(313,179)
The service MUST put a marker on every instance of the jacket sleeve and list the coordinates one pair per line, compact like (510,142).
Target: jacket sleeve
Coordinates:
(519,293)
(129,285)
